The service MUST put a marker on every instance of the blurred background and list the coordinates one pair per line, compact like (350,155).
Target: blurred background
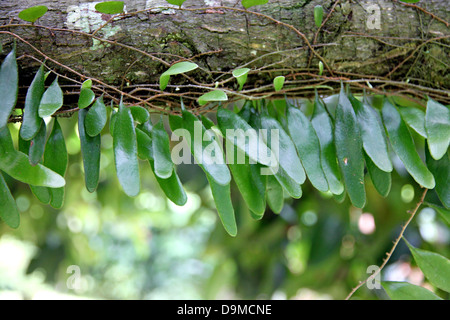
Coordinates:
(106,245)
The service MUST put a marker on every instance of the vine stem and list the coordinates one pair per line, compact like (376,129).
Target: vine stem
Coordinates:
(396,242)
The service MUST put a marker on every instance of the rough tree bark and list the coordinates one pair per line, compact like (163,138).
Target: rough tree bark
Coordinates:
(408,43)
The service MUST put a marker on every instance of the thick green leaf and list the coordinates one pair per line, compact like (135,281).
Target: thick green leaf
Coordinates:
(51,101)
(90,151)
(177,68)
(87,84)
(222,199)
(372,134)
(56,158)
(110,7)
(31,120)
(33,13)
(381,180)
(125,152)
(308,147)
(161,151)
(323,126)
(318,15)
(37,145)
(200,142)
(216,95)
(175,122)
(172,187)
(8,210)
(9,86)
(17,165)
(443,212)
(407,291)
(348,144)
(278,83)
(176,2)
(404,147)
(435,267)
(441,171)
(139,114)
(96,118)
(87,96)
(241,76)
(274,194)
(144,145)
(437,125)
(415,119)
(250,3)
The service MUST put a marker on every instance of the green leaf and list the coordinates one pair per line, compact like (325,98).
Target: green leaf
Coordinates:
(199,140)
(278,83)
(144,145)
(87,96)
(407,291)
(435,267)
(33,13)
(56,159)
(87,84)
(9,86)
(37,145)
(17,165)
(90,151)
(51,101)
(8,211)
(96,118)
(241,76)
(216,95)
(308,147)
(176,2)
(437,125)
(443,212)
(31,120)
(410,1)
(348,144)
(110,7)
(222,199)
(139,114)
(318,15)
(250,3)
(441,171)
(125,152)
(381,180)
(161,151)
(323,126)
(372,134)
(275,195)
(415,119)
(320,68)
(404,147)
(177,68)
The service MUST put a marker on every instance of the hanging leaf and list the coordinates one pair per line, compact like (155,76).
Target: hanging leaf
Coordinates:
(31,121)
(90,151)
(324,129)
(161,151)
(318,15)
(250,3)
(87,84)
(308,147)
(415,119)
(33,13)
(407,291)
(320,68)
(177,68)
(51,101)
(278,83)
(216,95)
(437,125)
(349,151)
(125,152)
(241,76)
(222,199)
(139,114)
(110,7)
(441,171)
(8,210)
(404,147)
(435,267)
(87,96)
(37,145)
(381,180)
(17,165)
(372,134)
(9,86)
(275,195)
(96,118)
(144,145)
